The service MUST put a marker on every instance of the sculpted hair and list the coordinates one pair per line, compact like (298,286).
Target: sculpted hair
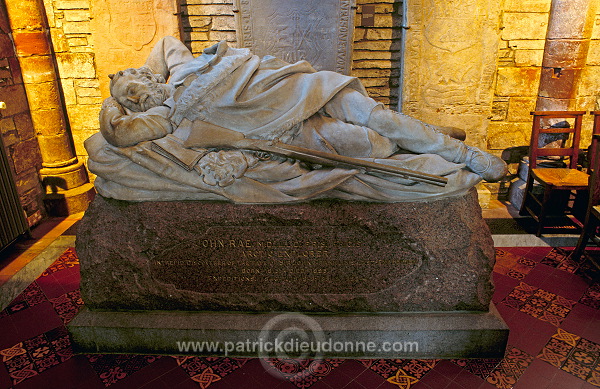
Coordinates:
(143,71)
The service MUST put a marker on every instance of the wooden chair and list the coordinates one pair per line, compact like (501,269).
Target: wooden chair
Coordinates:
(589,231)
(552,179)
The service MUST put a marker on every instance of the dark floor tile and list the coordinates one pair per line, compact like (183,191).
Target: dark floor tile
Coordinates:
(565,284)
(468,380)
(35,320)
(338,379)
(51,287)
(503,285)
(355,385)
(563,380)
(253,375)
(592,332)
(533,340)
(154,384)
(537,276)
(10,336)
(455,385)
(174,377)
(74,373)
(420,385)
(188,384)
(540,369)
(532,380)
(448,369)
(369,379)
(5,380)
(505,312)
(435,379)
(147,374)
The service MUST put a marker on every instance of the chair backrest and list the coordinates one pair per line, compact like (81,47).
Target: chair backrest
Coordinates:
(594,162)
(568,149)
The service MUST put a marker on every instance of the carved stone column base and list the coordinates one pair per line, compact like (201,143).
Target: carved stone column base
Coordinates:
(68,190)
(69,202)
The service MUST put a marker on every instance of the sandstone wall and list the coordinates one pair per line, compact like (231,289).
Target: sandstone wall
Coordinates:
(521,48)
(471,64)
(16,127)
(376,55)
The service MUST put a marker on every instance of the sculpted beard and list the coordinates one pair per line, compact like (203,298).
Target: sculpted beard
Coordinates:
(155,96)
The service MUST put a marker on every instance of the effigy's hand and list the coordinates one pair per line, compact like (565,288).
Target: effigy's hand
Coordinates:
(123,129)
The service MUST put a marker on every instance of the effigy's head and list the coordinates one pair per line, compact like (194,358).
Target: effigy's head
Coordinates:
(139,89)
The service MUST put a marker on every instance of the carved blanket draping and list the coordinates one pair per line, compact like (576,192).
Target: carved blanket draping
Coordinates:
(138,173)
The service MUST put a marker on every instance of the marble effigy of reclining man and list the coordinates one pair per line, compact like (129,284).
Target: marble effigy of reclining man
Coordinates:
(269,99)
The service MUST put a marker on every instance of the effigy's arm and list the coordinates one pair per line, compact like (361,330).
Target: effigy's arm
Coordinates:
(121,129)
(168,54)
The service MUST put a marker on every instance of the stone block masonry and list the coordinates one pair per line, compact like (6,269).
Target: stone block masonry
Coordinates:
(376,54)
(523,33)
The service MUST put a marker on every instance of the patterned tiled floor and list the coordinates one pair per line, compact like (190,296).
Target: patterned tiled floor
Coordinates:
(552,309)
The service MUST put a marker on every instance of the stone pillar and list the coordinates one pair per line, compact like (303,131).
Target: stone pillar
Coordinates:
(68,189)
(565,53)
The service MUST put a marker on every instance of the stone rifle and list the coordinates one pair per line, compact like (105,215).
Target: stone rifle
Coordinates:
(208,135)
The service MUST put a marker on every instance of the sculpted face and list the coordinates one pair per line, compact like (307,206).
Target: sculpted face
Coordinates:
(139,89)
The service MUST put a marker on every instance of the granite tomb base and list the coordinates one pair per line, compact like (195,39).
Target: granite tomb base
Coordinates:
(202,266)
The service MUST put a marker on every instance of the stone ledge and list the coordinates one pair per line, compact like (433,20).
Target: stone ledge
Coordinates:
(422,335)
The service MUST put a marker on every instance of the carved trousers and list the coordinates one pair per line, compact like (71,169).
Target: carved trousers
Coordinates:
(407,133)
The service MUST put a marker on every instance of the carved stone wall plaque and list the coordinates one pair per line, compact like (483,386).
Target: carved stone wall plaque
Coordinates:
(125,31)
(450,62)
(314,30)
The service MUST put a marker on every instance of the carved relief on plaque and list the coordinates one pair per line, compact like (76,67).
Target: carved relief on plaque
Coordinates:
(451,48)
(139,15)
(314,30)
(124,32)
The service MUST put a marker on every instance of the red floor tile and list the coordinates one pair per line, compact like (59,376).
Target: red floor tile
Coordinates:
(534,339)
(355,385)
(174,377)
(148,374)
(51,287)
(76,373)
(35,320)
(455,385)
(447,369)
(9,335)
(565,284)
(468,380)
(563,380)
(538,275)
(579,319)
(435,379)
(5,381)
(539,368)
(592,332)
(370,379)
(528,335)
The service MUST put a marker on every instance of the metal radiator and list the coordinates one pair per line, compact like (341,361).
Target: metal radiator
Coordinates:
(12,216)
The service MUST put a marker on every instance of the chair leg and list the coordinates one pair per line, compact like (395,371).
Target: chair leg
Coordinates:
(543,211)
(589,226)
(528,186)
